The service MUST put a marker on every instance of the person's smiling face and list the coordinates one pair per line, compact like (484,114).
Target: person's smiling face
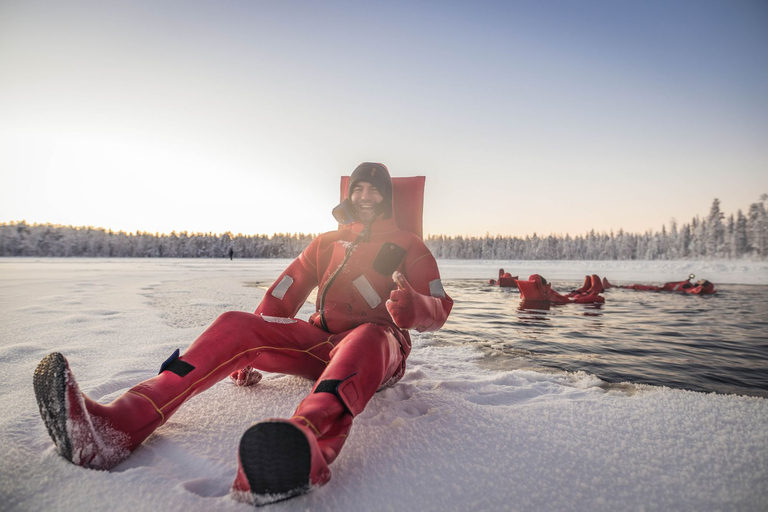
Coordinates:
(365,197)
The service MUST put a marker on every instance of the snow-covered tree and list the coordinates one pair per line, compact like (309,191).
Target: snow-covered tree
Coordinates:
(740,239)
(757,228)
(715,231)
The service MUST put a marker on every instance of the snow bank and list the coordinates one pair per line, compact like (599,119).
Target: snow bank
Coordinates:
(449,436)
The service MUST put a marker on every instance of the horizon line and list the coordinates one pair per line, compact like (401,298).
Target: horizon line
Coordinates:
(301,233)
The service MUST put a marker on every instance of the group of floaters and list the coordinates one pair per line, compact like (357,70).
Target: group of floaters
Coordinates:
(536,288)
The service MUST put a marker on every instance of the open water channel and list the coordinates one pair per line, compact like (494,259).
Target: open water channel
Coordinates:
(716,343)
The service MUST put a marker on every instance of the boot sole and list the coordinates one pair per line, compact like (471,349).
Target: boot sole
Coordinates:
(50,383)
(276,459)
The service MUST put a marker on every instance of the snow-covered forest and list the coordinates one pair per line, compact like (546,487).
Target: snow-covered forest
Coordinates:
(738,236)
(714,236)
(22,239)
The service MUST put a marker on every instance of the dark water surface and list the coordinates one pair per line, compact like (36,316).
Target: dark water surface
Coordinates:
(703,343)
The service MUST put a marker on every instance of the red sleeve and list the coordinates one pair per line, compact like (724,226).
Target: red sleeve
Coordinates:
(421,271)
(289,292)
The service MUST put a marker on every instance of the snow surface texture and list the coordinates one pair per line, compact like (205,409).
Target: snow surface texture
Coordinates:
(449,436)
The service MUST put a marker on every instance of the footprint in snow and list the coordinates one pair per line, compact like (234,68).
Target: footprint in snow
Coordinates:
(208,487)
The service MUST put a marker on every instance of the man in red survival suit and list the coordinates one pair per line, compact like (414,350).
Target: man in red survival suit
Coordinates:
(375,282)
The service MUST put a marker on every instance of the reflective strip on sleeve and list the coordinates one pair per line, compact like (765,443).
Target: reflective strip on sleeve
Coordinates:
(436,289)
(278,319)
(282,287)
(367,291)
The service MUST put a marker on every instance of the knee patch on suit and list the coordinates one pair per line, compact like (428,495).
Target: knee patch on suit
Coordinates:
(346,390)
(176,365)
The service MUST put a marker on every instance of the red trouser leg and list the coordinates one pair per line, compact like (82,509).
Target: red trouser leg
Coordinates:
(365,359)
(234,340)
(278,458)
(101,436)
(237,339)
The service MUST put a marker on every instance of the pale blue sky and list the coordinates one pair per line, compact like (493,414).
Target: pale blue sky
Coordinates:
(540,116)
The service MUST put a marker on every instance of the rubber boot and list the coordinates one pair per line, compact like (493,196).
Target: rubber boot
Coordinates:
(597,285)
(279,459)
(587,284)
(99,436)
(85,432)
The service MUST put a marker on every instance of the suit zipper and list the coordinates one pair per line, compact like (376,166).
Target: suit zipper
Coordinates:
(362,237)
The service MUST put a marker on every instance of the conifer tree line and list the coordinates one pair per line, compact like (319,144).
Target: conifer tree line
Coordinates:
(22,239)
(712,237)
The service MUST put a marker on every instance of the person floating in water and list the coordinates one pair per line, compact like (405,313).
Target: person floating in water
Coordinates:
(505,280)
(537,289)
(700,287)
(375,282)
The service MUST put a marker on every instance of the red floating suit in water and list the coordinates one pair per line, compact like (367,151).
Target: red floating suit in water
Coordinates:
(537,289)
(700,287)
(505,280)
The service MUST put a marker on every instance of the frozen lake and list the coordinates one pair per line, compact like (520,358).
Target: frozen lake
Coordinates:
(457,433)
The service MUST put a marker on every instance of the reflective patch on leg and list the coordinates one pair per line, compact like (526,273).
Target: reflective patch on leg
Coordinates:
(436,289)
(366,290)
(350,396)
(282,287)
(278,319)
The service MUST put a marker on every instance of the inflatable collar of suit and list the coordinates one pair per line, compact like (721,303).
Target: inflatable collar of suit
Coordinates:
(403,197)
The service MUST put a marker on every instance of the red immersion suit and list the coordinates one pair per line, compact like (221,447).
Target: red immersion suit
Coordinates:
(537,289)
(505,279)
(356,342)
(701,287)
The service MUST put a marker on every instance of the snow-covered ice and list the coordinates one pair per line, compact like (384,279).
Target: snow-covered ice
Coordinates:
(449,436)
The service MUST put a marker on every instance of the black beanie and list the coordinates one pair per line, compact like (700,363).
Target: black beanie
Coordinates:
(378,176)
